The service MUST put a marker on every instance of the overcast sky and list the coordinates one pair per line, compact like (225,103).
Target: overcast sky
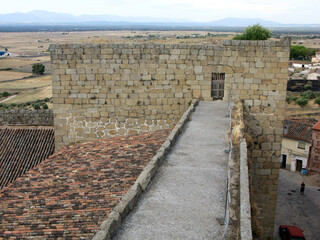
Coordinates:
(283,11)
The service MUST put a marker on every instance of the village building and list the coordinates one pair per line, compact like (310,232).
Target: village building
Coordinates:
(316,59)
(296,143)
(314,74)
(314,156)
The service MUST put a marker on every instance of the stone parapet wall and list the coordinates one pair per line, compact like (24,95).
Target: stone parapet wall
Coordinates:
(26,118)
(92,129)
(101,86)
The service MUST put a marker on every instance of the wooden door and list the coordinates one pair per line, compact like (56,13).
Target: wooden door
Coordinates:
(299,165)
(217,85)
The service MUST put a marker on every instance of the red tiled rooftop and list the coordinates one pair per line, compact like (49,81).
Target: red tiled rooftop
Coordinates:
(68,195)
(298,129)
(21,149)
(317,126)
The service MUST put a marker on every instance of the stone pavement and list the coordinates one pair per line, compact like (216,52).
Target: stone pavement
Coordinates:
(295,209)
(188,192)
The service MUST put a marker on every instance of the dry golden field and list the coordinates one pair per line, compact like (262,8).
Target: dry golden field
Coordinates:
(32,95)
(37,43)
(10,75)
(34,82)
(17,62)
(309,43)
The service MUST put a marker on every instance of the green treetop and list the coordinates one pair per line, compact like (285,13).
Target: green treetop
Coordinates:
(255,32)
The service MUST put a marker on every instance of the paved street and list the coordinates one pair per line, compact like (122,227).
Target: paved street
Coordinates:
(188,193)
(295,209)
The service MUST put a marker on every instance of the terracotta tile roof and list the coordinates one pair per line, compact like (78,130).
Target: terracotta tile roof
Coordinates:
(21,149)
(317,126)
(69,195)
(298,129)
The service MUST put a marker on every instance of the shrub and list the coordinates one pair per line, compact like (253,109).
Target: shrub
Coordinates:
(45,106)
(308,94)
(46,99)
(291,98)
(308,86)
(302,101)
(288,99)
(317,101)
(255,32)
(36,106)
(5,94)
(38,69)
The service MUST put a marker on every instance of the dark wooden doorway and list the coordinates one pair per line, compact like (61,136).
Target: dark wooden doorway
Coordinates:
(217,85)
(299,165)
(284,161)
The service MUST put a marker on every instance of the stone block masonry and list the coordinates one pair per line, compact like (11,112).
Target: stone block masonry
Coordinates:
(103,90)
(26,118)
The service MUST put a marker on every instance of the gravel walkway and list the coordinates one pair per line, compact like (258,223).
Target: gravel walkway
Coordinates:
(188,193)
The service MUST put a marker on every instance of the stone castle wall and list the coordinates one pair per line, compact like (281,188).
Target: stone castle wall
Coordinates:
(26,117)
(103,90)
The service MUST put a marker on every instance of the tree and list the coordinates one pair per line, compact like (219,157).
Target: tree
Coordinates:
(38,69)
(255,32)
(302,101)
(298,52)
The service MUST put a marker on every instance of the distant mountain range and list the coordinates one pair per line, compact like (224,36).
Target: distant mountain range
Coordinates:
(51,18)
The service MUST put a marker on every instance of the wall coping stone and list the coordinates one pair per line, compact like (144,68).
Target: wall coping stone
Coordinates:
(284,41)
(245,208)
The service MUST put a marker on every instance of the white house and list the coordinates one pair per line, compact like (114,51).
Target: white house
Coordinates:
(296,142)
(316,59)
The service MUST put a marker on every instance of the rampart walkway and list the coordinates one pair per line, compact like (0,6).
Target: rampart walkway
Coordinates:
(188,192)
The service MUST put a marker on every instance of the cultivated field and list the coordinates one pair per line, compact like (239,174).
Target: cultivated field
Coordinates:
(10,75)
(309,43)
(34,82)
(18,62)
(293,110)
(32,95)
(37,43)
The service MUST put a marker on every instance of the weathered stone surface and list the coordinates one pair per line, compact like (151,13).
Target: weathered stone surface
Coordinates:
(101,235)
(26,117)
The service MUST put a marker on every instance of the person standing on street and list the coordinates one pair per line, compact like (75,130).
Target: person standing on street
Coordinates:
(302,187)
